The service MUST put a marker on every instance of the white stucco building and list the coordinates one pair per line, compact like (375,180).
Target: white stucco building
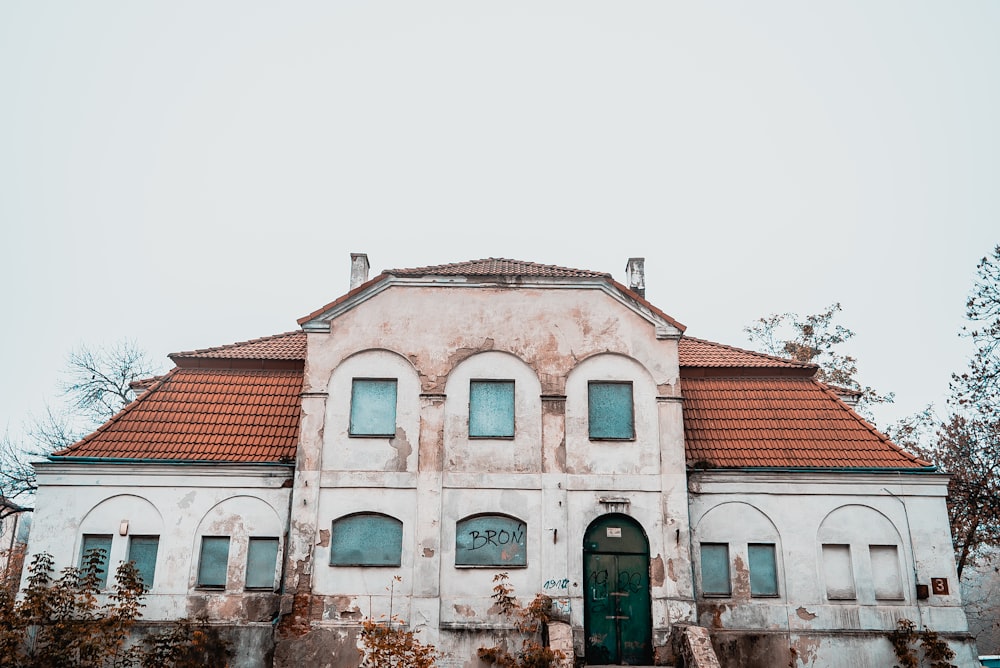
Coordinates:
(446,423)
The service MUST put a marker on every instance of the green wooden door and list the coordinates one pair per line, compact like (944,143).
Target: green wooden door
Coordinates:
(617,618)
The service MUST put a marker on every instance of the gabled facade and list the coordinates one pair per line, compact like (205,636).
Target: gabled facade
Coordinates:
(446,423)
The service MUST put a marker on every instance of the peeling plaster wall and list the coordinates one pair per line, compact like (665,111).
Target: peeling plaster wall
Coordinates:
(550,475)
(799,512)
(179,504)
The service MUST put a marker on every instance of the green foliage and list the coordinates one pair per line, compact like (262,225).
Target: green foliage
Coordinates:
(387,643)
(813,339)
(529,622)
(60,623)
(936,653)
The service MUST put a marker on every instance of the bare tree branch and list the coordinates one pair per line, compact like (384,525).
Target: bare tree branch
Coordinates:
(813,339)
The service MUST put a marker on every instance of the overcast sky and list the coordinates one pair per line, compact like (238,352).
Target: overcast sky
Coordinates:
(189,174)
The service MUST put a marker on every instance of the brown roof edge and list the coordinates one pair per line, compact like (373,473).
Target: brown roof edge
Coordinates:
(635,296)
(746,372)
(785,361)
(343,298)
(150,389)
(870,427)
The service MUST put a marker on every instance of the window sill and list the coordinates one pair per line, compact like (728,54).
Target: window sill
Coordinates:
(211,587)
(392,435)
(765,595)
(491,438)
(492,566)
(727,595)
(365,565)
(613,439)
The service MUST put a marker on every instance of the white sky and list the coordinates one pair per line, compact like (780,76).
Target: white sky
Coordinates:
(189,174)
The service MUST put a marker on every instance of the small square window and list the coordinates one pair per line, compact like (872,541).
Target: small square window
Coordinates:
(214,563)
(101,542)
(763,569)
(610,412)
(715,569)
(262,557)
(142,552)
(491,409)
(373,407)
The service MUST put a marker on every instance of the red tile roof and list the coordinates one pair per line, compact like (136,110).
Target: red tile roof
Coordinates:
(498,266)
(700,353)
(780,422)
(287,346)
(219,415)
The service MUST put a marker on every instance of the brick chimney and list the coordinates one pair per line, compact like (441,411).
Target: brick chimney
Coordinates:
(359,269)
(635,275)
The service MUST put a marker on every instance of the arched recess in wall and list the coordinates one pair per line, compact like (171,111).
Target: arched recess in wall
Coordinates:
(861,556)
(493,415)
(237,545)
(612,418)
(491,539)
(128,528)
(738,553)
(372,413)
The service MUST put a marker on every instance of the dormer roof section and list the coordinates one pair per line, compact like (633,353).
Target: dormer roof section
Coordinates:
(495,271)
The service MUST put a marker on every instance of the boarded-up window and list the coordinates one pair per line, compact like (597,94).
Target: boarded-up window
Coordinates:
(885,572)
(838,572)
(214,561)
(142,552)
(100,542)
(763,569)
(262,558)
(366,539)
(491,540)
(373,407)
(610,411)
(715,569)
(491,409)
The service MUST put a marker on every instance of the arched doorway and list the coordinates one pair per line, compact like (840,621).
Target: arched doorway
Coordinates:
(616,604)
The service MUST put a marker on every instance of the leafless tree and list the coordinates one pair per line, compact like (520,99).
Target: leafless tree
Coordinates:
(814,339)
(96,385)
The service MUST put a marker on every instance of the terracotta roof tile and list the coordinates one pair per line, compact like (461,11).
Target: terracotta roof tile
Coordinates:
(224,415)
(496,266)
(780,422)
(700,353)
(287,346)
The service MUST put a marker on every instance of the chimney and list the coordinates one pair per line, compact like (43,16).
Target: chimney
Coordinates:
(635,275)
(359,269)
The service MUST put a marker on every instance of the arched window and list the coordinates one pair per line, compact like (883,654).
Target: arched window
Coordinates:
(491,540)
(366,539)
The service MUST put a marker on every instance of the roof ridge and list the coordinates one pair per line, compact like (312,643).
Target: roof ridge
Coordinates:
(870,427)
(237,344)
(456,267)
(755,353)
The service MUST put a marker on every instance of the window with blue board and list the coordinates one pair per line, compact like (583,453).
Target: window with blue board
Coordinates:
(98,547)
(763,569)
(491,540)
(373,407)
(366,539)
(610,412)
(214,562)
(491,409)
(262,560)
(715,569)
(142,552)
